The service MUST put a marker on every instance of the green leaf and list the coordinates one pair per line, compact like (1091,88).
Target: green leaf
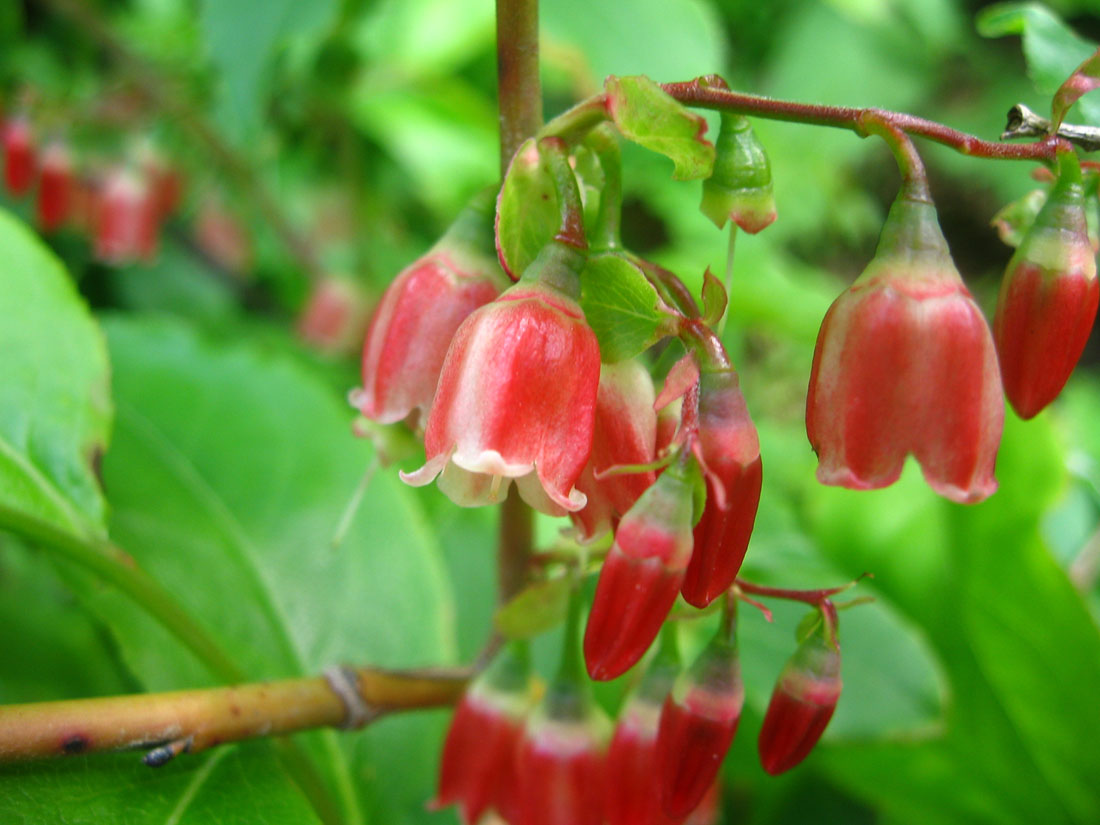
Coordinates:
(233,785)
(651,118)
(1052,49)
(229,472)
(52,648)
(527,210)
(536,609)
(620,305)
(241,37)
(1030,631)
(55,411)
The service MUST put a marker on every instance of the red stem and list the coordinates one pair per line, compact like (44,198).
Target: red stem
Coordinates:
(814,597)
(706,96)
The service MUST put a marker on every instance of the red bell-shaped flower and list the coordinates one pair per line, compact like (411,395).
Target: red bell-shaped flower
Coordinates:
(419,314)
(729,450)
(641,576)
(698,722)
(562,759)
(126,219)
(55,187)
(624,432)
(517,394)
(905,363)
(477,771)
(802,704)
(1048,298)
(19,157)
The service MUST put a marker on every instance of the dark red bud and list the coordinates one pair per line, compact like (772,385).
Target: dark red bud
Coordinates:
(801,706)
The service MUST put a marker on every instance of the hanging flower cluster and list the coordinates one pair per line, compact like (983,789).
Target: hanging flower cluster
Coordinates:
(120,207)
(546,382)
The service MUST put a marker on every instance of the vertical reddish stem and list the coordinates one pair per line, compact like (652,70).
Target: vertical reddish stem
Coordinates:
(518,89)
(520,100)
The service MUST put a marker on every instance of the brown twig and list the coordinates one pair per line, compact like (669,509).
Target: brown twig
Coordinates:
(193,720)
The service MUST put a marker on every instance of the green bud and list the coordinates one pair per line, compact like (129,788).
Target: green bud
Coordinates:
(740,188)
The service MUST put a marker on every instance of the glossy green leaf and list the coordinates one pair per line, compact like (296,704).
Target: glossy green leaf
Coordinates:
(55,409)
(527,210)
(51,648)
(620,305)
(229,471)
(535,609)
(1053,50)
(648,116)
(234,785)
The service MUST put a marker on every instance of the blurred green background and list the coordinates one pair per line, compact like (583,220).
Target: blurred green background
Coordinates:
(972,682)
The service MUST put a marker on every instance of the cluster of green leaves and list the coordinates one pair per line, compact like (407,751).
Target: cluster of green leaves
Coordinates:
(226,460)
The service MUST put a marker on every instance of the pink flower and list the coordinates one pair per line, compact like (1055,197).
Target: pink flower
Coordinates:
(413,326)
(561,768)
(729,449)
(477,770)
(18,156)
(801,706)
(516,399)
(1048,299)
(126,219)
(904,364)
(624,432)
(641,576)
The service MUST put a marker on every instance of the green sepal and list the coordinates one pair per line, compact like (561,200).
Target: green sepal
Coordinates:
(527,216)
(714,299)
(558,266)
(1059,234)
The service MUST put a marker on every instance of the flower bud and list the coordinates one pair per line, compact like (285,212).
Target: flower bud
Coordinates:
(55,187)
(1048,298)
(562,759)
(517,394)
(633,798)
(18,156)
(640,577)
(222,237)
(624,433)
(905,363)
(477,770)
(802,704)
(698,722)
(419,314)
(729,450)
(740,188)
